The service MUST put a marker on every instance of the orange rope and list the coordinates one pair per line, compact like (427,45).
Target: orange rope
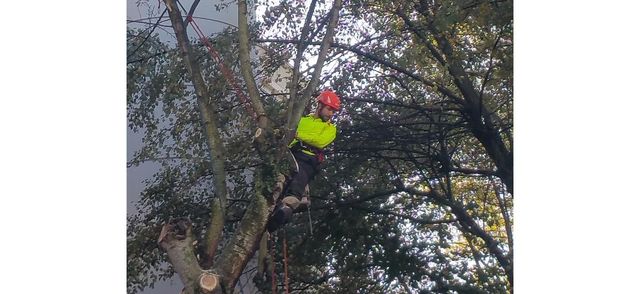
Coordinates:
(274,286)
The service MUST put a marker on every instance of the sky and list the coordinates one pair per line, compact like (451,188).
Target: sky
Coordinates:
(136,175)
(63,151)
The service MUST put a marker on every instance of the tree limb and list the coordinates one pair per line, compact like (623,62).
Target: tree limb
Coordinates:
(324,49)
(442,89)
(245,65)
(209,120)
(293,86)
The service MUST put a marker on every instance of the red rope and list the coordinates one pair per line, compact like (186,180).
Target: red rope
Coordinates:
(274,287)
(225,71)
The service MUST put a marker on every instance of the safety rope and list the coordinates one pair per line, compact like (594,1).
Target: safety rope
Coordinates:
(225,71)
(274,287)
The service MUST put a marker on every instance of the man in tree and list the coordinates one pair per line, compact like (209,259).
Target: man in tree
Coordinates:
(314,133)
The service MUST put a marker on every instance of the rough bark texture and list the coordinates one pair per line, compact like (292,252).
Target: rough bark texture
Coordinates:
(209,122)
(244,242)
(213,233)
(299,104)
(245,65)
(177,240)
(242,246)
(302,45)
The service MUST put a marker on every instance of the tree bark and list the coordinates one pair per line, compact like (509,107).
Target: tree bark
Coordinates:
(209,121)
(245,65)
(177,240)
(239,250)
(299,104)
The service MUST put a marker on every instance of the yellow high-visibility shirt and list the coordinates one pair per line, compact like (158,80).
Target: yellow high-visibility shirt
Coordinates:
(314,132)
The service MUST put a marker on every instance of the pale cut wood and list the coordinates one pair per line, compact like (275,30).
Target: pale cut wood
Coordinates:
(208,282)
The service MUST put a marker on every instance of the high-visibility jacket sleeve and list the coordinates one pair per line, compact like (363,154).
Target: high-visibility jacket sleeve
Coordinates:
(315,132)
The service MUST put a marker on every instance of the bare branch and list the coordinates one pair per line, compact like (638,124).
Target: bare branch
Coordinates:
(293,85)
(324,49)
(442,89)
(245,65)
(148,35)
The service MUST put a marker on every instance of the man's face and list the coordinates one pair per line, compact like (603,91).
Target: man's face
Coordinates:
(326,112)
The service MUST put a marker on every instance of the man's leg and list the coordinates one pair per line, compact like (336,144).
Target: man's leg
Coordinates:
(298,184)
(291,202)
(300,179)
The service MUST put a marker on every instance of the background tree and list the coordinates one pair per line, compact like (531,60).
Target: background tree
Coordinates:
(418,192)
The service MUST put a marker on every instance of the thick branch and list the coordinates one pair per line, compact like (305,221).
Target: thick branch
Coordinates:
(470,171)
(505,216)
(478,117)
(209,120)
(244,242)
(176,238)
(245,65)
(322,55)
(246,239)
(369,197)
(296,63)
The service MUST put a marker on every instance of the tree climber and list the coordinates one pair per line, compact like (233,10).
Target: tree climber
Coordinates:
(314,133)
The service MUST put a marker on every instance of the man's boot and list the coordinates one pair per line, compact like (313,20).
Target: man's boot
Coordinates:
(281,215)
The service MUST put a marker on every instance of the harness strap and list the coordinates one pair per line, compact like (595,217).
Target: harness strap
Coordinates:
(317,152)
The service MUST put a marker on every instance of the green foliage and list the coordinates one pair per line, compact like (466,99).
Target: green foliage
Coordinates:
(161,105)
(397,127)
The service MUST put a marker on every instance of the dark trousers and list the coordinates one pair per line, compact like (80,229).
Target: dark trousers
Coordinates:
(308,167)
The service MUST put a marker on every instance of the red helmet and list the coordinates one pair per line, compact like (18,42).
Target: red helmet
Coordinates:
(329,98)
